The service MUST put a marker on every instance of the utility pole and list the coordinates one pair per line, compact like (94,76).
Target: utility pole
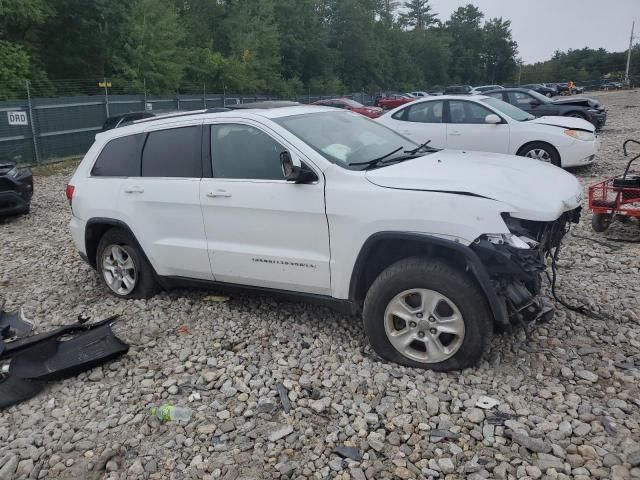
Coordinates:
(626,73)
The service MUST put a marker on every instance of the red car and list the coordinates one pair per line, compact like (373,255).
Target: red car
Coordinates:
(348,104)
(392,101)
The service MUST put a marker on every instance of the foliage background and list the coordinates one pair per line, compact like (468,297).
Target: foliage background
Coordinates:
(281,47)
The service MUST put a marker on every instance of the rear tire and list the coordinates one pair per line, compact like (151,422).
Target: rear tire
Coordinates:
(542,151)
(600,222)
(123,267)
(447,324)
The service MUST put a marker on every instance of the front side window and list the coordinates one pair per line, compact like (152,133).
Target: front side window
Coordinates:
(119,158)
(520,99)
(175,152)
(425,112)
(467,112)
(244,152)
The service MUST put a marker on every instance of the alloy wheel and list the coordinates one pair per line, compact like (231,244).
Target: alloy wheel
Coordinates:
(539,154)
(424,325)
(119,270)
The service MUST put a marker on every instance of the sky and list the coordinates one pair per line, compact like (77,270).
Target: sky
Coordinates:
(542,26)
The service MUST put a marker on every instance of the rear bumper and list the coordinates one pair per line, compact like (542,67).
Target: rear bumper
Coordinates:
(77,229)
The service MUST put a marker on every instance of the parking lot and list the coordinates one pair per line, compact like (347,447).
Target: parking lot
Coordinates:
(572,385)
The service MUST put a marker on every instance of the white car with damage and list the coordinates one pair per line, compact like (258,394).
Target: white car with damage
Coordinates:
(436,248)
(487,124)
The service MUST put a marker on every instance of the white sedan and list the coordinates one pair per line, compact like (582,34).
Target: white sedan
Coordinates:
(487,124)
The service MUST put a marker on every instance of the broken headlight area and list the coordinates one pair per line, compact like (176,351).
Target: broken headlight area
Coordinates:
(515,263)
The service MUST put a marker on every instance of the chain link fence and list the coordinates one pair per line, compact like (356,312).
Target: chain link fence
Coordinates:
(45,122)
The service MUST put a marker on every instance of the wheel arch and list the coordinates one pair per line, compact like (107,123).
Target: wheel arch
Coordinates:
(385,248)
(571,112)
(96,227)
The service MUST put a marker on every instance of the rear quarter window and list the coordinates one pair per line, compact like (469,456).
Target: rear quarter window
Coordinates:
(120,157)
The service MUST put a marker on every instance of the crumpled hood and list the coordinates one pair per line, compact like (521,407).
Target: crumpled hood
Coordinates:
(534,190)
(565,122)
(580,101)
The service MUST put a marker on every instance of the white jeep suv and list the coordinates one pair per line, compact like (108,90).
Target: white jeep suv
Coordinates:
(437,248)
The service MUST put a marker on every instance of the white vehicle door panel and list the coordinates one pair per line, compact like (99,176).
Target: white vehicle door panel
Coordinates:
(163,208)
(466,129)
(263,232)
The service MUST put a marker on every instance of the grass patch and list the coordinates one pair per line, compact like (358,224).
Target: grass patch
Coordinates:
(56,167)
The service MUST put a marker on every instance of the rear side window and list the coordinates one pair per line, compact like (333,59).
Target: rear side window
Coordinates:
(119,158)
(242,151)
(173,153)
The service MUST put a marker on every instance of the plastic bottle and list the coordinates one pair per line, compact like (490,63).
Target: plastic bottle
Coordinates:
(168,413)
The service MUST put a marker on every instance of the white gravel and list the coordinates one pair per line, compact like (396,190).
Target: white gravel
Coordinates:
(565,409)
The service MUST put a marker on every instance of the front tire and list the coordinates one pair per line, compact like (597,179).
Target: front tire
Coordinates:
(541,151)
(123,267)
(423,313)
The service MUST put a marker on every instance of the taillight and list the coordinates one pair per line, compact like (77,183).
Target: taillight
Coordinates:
(69,192)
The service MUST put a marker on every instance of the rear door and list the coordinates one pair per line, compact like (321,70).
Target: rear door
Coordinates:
(467,129)
(162,205)
(262,230)
(421,122)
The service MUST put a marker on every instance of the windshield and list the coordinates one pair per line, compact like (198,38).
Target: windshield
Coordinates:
(346,138)
(508,109)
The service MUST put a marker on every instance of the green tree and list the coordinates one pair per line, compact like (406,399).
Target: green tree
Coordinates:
(152,49)
(418,15)
(467,45)
(500,51)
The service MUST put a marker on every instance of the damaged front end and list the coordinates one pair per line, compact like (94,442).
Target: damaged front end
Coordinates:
(515,264)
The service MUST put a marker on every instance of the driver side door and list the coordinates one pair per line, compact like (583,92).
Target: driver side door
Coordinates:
(262,230)
(467,129)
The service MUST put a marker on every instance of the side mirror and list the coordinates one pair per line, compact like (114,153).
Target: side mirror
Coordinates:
(534,103)
(492,119)
(294,171)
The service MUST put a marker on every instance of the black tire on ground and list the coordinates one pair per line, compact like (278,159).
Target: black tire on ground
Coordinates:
(600,222)
(146,285)
(554,156)
(426,273)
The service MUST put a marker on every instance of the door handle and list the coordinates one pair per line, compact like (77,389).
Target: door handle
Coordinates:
(455,134)
(219,193)
(134,189)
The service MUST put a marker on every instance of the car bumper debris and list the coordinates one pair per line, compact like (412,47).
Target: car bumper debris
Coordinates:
(516,272)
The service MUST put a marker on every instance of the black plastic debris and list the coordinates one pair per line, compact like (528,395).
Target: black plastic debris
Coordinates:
(33,340)
(54,359)
(57,354)
(438,435)
(13,325)
(498,418)
(15,390)
(284,397)
(349,452)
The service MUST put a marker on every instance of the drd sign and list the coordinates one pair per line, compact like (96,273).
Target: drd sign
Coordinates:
(17,118)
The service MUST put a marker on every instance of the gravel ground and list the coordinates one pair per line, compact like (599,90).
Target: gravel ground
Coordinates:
(568,398)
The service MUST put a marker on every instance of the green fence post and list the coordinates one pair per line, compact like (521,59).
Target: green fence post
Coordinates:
(36,152)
